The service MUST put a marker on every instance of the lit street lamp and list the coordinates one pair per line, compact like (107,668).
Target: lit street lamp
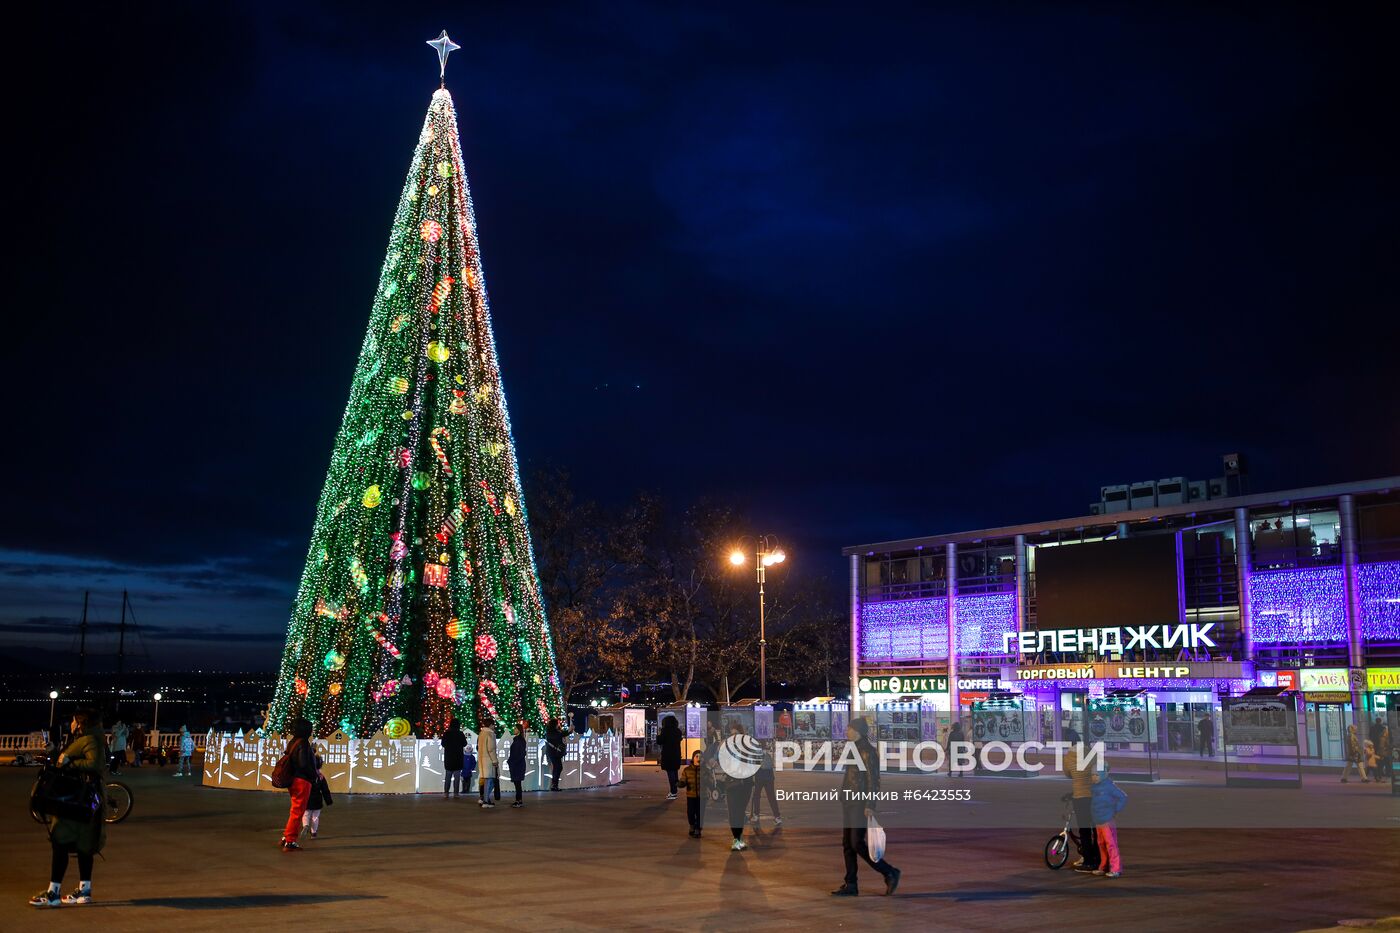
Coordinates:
(155,720)
(766,554)
(53,701)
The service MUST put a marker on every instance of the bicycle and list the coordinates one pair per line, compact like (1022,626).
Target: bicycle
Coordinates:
(116,803)
(1057,849)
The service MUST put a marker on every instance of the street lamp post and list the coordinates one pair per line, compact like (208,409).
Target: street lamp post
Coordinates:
(53,701)
(766,553)
(155,719)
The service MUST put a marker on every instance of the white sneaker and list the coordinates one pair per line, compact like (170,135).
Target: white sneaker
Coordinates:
(79,896)
(737,846)
(670,796)
(777,821)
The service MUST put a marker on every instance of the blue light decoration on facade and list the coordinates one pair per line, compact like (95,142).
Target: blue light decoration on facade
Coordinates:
(982,621)
(914,629)
(1299,607)
(1378,586)
(905,629)
(1308,606)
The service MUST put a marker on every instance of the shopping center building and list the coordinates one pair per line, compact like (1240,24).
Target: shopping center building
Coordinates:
(1181,592)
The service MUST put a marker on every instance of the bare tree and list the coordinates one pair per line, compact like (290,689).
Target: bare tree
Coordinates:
(577,564)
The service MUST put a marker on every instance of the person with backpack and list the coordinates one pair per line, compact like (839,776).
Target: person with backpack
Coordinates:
(186,753)
(860,782)
(87,752)
(454,759)
(1107,801)
(296,771)
(489,762)
(516,762)
(668,743)
(320,798)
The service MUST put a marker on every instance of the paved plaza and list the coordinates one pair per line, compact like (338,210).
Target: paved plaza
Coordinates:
(197,858)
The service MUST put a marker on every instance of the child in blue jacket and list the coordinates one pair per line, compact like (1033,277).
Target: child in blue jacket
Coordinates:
(1107,801)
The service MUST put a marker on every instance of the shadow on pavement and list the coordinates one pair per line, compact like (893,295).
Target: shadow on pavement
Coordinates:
(229,901)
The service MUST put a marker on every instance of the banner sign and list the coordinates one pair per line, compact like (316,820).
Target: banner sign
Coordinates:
(1337,696)
(1116,670)
(1382,678)
(1191,635)
(902,686)
(1259,721)
(1324,679)
(1118,719)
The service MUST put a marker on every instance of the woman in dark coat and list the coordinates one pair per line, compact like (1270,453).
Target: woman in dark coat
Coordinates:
(668,740)
(87,752)
(516,762)
(555,745)
(454,759)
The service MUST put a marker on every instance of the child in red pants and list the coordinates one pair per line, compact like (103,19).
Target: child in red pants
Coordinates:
(1108,800)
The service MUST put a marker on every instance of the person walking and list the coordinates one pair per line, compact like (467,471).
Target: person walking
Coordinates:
(515,761)
(488,763)
(555,743)
(1205,737)
(303,762)
(1354,756)
(695,790)
(1082,798)
(186,753)
(137,743)
(736,794)
(668,741)
(1385,751)
(763,785)
(120,735)
(1107,801)
(87,752)
(454,758)
(860,782)
(319,799)
(955,740)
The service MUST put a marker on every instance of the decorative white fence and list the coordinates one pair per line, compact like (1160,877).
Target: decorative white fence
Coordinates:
(383,765)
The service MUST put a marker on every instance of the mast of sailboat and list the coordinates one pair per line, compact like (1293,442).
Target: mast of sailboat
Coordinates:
(82,640)
(121,639)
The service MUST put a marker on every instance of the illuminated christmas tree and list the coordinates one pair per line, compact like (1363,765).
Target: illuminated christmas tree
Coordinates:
(420,600)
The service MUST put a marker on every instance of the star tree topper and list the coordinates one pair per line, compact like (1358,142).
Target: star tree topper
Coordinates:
(445,47)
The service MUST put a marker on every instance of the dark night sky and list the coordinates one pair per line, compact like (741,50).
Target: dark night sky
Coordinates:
(867,275)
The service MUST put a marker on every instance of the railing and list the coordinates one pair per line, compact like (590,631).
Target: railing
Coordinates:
(34,741)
